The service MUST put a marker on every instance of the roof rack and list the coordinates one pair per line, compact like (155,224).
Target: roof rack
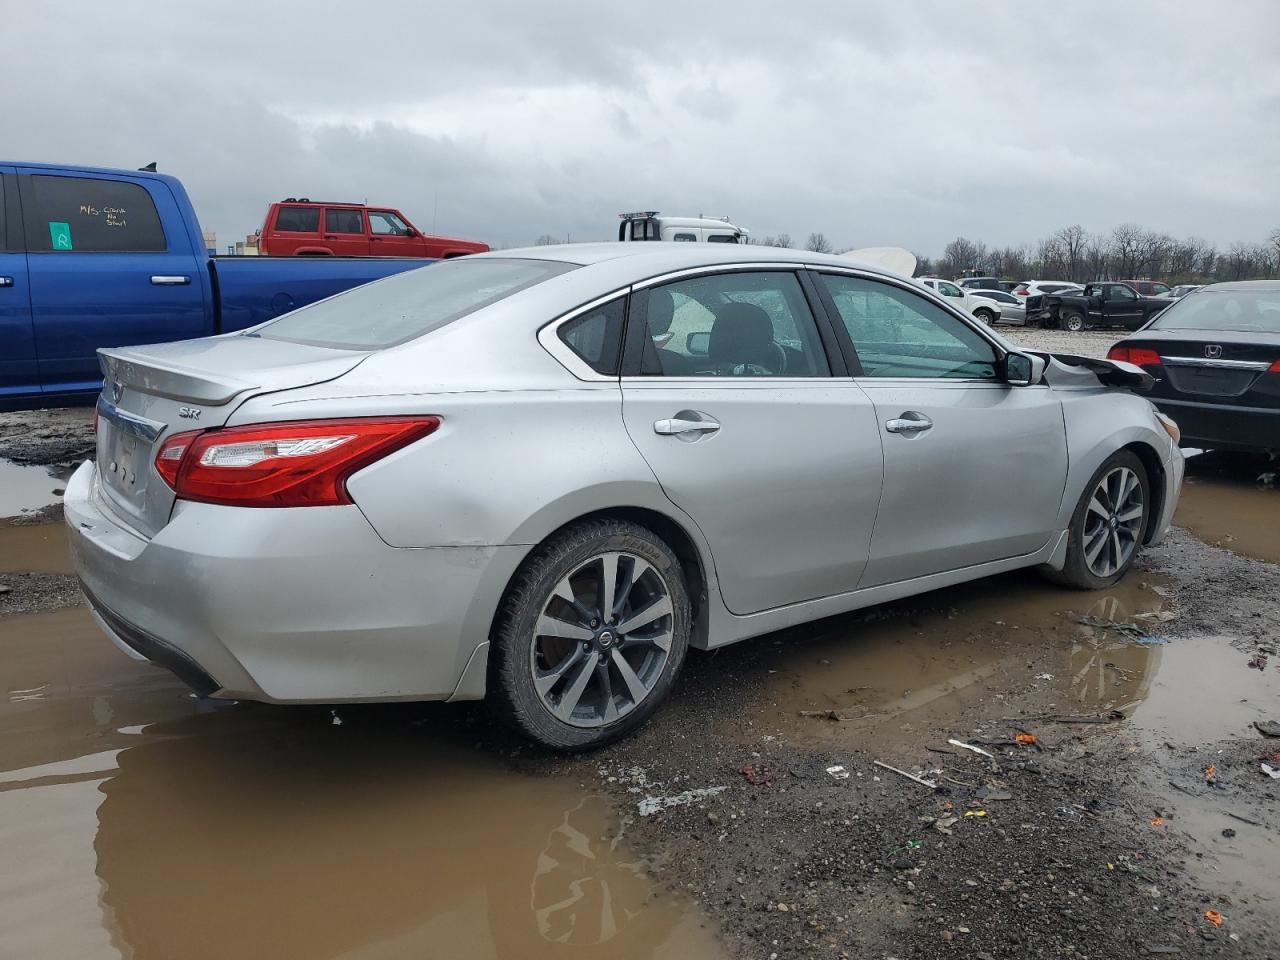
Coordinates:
(331,203)
(642,215)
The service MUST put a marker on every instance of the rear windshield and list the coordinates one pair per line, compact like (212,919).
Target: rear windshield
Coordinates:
(1243,310)
(407,305)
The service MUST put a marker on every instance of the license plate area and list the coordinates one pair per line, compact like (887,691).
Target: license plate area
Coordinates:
(1207,381)
(125,442)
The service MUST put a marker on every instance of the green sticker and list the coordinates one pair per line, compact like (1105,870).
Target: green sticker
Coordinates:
(60,235)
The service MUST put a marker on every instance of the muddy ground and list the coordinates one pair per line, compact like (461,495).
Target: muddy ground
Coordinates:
(136,821)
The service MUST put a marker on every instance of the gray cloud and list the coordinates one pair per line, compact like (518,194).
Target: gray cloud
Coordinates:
(891,123)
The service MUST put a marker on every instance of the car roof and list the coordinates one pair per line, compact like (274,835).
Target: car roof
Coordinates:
(661,256)
(78,168)
(1239,286)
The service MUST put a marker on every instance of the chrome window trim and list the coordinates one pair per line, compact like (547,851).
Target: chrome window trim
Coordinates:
(549,337)
(776,265)
(1256,365)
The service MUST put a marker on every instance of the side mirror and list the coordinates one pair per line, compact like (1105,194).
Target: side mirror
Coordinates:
(698,344)
(1022,369)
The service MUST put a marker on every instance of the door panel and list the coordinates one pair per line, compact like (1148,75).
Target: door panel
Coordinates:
(390,236)
(344,232)
(18,369)
(785,490)
(983,483)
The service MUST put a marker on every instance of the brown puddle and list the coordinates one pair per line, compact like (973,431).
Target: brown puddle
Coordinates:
(38,548)
(136,821)
(1223,504)
(25,488)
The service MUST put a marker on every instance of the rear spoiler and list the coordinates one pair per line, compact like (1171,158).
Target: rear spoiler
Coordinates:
(1110,373)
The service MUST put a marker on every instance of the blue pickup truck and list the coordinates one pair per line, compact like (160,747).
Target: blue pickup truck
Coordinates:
(95,258)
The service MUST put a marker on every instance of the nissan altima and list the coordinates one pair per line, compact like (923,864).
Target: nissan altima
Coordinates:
(540,476)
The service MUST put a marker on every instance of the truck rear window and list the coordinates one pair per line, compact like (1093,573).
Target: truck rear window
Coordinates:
(87,215)
(408,305)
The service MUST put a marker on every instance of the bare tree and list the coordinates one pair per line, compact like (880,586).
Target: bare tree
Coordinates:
(781,240)
(818,243)
(547,240)
(1071,242)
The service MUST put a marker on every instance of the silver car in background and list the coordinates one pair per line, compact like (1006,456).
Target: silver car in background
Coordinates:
(541,476)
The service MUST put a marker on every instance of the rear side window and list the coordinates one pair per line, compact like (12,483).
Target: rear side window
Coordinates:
(85,215)
(596,337)
(721,238)
(409,304)
(343,221)
(685,238)
(298,219)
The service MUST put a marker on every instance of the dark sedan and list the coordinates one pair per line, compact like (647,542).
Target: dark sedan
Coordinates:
(1215,356)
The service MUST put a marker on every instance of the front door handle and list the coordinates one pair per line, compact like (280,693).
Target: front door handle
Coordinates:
(6,281)
(687,425)
(910,423)
(166,281)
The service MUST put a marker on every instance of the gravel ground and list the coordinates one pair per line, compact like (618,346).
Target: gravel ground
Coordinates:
(1087,343)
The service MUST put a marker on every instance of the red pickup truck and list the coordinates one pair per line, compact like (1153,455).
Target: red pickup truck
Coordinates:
(300,227)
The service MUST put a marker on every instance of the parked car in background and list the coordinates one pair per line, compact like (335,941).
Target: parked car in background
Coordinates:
(1110,304)
(1215,356)
(651,225)
(95,258)
(1181,290)
(307,228)
(1010,308)
(1148,288)
(984,308)
(1030,288)
(355,442)
(978,283)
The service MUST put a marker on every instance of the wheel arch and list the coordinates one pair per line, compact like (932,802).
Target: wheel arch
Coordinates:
(688,548)
(1154,466)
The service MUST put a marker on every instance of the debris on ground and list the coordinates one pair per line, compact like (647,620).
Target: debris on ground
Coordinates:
(838,772)
(969,746)
(1214,917)
(1271,771)
(1027,739)
(1130,631)
(1258,661)
(757,775)
(1268,728)
(910,776)
(651,805)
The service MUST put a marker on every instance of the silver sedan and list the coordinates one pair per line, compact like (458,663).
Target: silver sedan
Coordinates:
(540,476)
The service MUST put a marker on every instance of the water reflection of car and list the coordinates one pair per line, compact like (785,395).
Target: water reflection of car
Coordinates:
(485,479)
(1180,291)
(1215,355)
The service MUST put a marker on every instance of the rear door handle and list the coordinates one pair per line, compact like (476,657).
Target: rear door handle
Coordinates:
(6,281)
(910,423)
(166,281)
(685,426)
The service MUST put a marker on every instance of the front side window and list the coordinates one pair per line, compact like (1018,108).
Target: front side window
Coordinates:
(596,336)
(949,289)
(685,238)
(84,215)
(343,221)
(748,324)
(405,306)
(1160,288)
(1120,292)
(384,223)
(298,219)
(897,333)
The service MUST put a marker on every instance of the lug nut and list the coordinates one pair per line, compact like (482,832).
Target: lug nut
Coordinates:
(594,623)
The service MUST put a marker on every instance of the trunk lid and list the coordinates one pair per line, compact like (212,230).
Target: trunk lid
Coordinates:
(151,392)
(1214,366)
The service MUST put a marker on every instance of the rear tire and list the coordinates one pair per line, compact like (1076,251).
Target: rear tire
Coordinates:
(590,636)
(1108,525)
(1072,320)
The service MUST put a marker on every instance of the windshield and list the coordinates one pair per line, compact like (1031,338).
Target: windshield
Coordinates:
(1244,310)
(407,305)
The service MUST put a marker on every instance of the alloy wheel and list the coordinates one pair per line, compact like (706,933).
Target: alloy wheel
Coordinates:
(1113,522)
(602,640)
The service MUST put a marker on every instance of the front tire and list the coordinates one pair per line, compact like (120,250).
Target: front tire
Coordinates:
(1108,525)
(590,635)
(986,316)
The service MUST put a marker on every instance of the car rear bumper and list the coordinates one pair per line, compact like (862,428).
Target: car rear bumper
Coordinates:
(286,605)
(1223,426)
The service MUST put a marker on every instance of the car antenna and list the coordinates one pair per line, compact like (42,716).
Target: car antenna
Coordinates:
(149,168)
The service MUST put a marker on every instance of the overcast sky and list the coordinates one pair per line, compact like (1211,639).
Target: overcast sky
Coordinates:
(876,123)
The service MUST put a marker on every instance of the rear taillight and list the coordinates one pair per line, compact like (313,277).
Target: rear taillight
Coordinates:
(295,464)
(1274,368)
(1140,356)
